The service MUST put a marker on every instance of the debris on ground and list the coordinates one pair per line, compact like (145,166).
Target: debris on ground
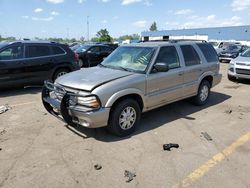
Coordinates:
(169,146)
(232,87)
(4,108)
(129,175)
(98,167)
(0,149)
(207,136)
(2,132)
(229,111)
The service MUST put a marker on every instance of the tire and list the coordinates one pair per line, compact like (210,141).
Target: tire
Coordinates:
(118,124)
(81,63)
(60,72)
(203,93)
(231,78)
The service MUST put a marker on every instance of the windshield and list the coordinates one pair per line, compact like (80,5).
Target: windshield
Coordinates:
(233,48)
(134,59)
(215,44)
(246,53)
(82,49)
(75,47)
(2,44)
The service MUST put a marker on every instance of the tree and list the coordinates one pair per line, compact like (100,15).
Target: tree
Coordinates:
(103,36)
(129,37)
(153,27)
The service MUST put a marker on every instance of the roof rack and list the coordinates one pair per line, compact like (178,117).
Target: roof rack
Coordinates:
(177,40)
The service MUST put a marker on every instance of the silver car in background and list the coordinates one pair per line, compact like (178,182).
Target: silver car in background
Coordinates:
(240,67)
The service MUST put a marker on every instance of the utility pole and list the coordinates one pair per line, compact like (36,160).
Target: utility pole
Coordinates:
(67,33)
(87,28)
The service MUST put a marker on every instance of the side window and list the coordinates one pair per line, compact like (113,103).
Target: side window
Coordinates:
(190,55)
(209,52)
(170,56)
(106,49)
(37,51)
(12,53)
(95,49)
(57,50)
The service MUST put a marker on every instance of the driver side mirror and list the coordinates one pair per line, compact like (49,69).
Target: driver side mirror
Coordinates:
(161,67)
(89,52)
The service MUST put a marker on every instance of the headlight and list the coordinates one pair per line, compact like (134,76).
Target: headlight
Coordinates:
(90,101)
(231,66)
(234,55)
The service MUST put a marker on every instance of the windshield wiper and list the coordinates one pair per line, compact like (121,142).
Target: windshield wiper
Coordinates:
(125,69)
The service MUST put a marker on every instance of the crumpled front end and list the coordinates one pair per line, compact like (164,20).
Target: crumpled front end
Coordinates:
(74,107)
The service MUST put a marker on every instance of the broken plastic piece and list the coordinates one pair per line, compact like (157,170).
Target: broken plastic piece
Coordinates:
(98,167)
(207,136)
(229,111)
(169,146)
(129,175)
(4,108)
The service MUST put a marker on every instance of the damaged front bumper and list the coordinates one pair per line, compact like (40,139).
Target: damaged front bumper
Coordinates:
(57,101)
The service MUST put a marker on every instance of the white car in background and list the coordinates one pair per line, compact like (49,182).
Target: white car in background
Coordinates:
(240,66)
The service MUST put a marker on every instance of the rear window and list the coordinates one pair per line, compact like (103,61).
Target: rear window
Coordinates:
(209,52)
(190,55)
(57,50)
(37,51)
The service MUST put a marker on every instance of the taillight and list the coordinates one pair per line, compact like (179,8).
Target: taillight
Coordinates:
(76,57)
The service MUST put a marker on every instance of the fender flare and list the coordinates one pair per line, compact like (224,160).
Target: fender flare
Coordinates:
(118,95)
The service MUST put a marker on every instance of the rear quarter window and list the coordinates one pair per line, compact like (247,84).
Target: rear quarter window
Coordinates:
(191,57)
(208,52)
(57,50)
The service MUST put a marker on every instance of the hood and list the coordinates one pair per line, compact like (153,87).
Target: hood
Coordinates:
(245,60)
(90,78)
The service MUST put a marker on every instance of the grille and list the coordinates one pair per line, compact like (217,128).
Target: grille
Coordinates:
(243,71)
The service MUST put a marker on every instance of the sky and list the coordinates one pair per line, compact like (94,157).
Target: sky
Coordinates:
(68,18)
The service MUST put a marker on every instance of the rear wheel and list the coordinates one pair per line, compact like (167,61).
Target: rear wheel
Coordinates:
(203,93)
(124,117)
(80,63)
(59,73)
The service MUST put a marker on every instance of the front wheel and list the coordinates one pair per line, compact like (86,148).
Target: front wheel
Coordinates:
(203,93)
(124,117)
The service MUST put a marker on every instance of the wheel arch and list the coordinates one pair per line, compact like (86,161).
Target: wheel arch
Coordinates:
(135,94)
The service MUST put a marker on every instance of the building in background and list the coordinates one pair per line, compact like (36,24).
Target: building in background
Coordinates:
(234,33)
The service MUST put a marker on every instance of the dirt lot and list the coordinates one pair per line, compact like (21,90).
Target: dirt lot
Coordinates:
(38,150)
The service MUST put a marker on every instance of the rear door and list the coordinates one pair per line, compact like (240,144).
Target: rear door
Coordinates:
(193,69)
(11,65)
(165,87)
(39,62)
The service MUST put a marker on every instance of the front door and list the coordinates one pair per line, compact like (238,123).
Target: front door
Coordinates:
(11,66)
(94,56)
(165,87)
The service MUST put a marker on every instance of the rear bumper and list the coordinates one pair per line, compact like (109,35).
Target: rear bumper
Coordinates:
(74,114)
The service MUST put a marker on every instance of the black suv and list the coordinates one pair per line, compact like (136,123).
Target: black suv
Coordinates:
(26,62)
(92,54)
